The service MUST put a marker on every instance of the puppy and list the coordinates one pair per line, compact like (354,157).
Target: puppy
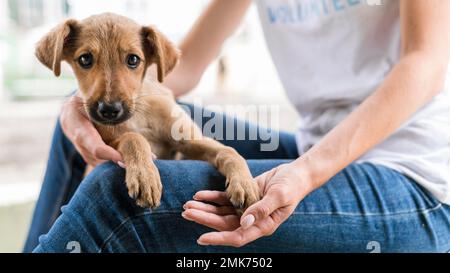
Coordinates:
(110,55)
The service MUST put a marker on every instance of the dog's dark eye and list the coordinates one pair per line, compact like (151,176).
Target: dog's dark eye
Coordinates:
(133,61)
(86,60)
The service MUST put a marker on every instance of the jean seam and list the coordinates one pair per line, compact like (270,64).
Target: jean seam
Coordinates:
(126,220)
(421,211)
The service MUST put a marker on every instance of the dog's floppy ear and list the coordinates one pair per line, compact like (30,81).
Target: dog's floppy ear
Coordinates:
(50,49)
(158,49)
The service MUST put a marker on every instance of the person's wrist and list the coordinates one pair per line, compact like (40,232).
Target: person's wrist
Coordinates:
(304,175)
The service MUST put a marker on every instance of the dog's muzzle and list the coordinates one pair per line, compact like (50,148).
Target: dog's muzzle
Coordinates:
(109,113)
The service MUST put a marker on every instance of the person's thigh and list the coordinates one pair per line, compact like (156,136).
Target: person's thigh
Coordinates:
(364,206)
(252,141)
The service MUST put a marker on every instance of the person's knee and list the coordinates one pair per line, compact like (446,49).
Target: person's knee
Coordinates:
(103,187)
(102,201)
(105,179)
(181,179)
(98,206)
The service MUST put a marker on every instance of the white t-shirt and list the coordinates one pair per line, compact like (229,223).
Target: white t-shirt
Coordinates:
(330,56)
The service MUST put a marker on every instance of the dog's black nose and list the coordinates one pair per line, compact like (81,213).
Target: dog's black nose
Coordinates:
(110,111)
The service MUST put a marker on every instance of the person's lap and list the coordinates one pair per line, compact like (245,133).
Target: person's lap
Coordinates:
(65,168)
(364,205)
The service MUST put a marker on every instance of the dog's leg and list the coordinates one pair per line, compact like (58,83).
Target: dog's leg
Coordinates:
(240,186)
(142,176)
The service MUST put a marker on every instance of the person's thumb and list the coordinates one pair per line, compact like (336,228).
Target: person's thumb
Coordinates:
(105,152)
(260,210)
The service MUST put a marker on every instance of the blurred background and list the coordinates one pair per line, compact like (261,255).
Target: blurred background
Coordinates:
(30,96)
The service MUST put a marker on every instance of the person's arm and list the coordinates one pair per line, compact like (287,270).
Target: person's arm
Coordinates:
(203,42)
(199,48)
(414,81)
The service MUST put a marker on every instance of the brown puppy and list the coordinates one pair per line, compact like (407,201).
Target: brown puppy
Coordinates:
(110,55)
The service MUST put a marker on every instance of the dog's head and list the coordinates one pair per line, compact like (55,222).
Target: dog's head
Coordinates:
(109,55)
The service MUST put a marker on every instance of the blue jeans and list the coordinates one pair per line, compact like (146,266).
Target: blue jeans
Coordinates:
(363,208)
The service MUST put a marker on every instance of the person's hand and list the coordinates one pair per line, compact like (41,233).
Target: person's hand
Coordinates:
(282,189)
(84,136)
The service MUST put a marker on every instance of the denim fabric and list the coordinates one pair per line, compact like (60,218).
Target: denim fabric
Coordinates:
(363,208)
(362,204)
(65,170)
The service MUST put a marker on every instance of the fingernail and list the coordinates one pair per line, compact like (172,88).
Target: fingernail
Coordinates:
(194,197)
(154,156)
(183,214)
(247,221)
(121,164)
(201,243)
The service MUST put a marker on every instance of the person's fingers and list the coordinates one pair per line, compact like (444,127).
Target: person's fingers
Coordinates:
(262,209)
(90,140)
(236,238)
(83,153)
(227,222)
(121,164)
(105,152)
(88,157)
(218,197)
(240,236)
(219,210)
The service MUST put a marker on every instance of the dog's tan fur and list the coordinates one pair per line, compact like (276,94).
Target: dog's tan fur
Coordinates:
(110,38)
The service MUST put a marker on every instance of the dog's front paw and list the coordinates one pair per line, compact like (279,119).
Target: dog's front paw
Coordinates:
(243,192)
(144,185)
